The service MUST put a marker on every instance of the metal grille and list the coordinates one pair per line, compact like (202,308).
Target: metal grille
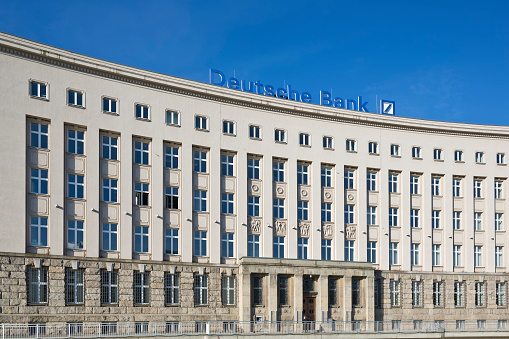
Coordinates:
(109,287)
(200,289)
(38,285)
(74,286)
(141,288)
(171,289)
(228,290)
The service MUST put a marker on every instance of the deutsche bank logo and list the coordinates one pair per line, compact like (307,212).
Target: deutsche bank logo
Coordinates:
(387,107)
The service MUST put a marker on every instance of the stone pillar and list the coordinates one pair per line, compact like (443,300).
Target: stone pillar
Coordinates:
(347,298)
(272,297)
(369,301)
(244,294)
(322,300)
(297,295)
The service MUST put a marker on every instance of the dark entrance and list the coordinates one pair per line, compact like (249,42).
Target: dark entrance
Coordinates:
(308,308)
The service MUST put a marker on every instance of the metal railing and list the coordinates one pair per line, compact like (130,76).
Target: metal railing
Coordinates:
(175,328)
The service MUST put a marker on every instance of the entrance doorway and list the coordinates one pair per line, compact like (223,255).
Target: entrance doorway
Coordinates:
(308,309)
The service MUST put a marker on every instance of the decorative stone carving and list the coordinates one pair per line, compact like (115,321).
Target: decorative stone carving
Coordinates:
(304,193)
(304,230)
(280,190)
(255,226)
(327,231)
(280,228)
(351,232)
(255,188)
(350,196)
(328,195)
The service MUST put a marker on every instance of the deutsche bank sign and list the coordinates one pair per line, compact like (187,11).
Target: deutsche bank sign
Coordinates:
(218,78)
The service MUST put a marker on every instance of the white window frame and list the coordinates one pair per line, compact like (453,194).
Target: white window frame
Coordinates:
(501,159)
(280,135)
(39,225)
(349,182)
(253,168)
(393,217)
(371,181)
(393,254)
(278,208)
(499,185)
(200,243)
(227,164)
(479,157)
(415,254)
(328,142)
(416,152)
(349,250)
(278,247)
(394,291)
(478,216)
(438,154)
(480,297)
(38,94)
(500,293)
(373,147)
(141,233)
(74,286)
(111,147)
(302,248)
(229,127)
(326,249)
(227,203)
(253,206)
(38,285)
(456,187)
(414,184)
(456,256)
(39,180)
(477,188)
(499,256)
(77,229)
(302,174)
(37,135)
(201,123)
(326,176)
(351,145)
(371,212)
(109,287)
(200,201)
(278,170)
(255,132)
(111,235)
(302,210)
(435,186)
(414,218)
(227,245)
(456,220)
(200,161)
(349,214)
(435,255)
(478,256)
(171,156)
(435,219)
(110,190)
(171,241)
(438,294)
(304,139)
(459,294)
(228,290)
(109,101)
(499,221)
(393,183)
(371,257)
(395,150)
(141,194)
(171,289)
(416,293)
(326,212)
(75,140)
(458,156)
(141,288)
(141,149)
(144,111)
(253,245)
(172,115)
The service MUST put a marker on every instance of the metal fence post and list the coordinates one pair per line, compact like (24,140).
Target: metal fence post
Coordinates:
(3,331)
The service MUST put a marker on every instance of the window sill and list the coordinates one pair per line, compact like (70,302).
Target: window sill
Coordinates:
(374,154)
(280,142)
(142,119)
(172,125)
(416,158)
(111,113)
(256,139)
(501,164)
(201,129)
(395,156)
(76,106)
(347,151)
(328,149)
(307,146)
(229,134)
(39,98)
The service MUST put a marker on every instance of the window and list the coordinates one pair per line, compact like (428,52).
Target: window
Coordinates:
(435,186)
(373,147)
(228,290)
(393,183)
(228,127)
(142,111)
(371,181)
(173,118)
(414,218)
(349,250)
(333,291)
(435,255)
(74,286)
(477,256)
(227,245)
(349,179)
(75,142)
(326,212)
(37,285)
(435,219)
(171,195)
(437,154)
(418,325)
(278,247)
(227,165)
(227,203)
(328,143)
(356,292)
(395,150)
(326,249)
(438,294)
(477,221)
(302,210)
(372,252)
(110,105)
(110,147)
(253,168)
(75,98)
(371,215)
(200,201)
(456,256)
(393,217)
(283,286)
(200,123)
(141,153)
(459,294)
(479,294)
(499,221)
(75,236)
(501,158)
(393,253)
(141,288)
(456,187)
(39,135)
(456,220)
(38,89)
(395,293)
(171,241)
(351,145)
(304,139)
(416,294)
(458,156)
(414,184)
(500,294)
(302,174)
(396,325)
(200,243)
(75,186)
(253,206)
(326,176)
(278,171)
(502,324)
(498,189)
(254,132)
(110,190)
(477,189)
(349,214)
(171,154)
(499,256)
(416,152)
(38,181)
(279,135)
(479,157)
(141,194)
(257,290)
(200,161)
(414,255)
(279,208)
(109,236)
(141,239)
(253,245)
(460,325)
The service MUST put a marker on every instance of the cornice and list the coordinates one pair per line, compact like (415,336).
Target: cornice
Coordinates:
(52,56)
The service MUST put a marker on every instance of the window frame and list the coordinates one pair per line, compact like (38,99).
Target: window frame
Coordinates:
(395,150)
(199,243)
(141,239)
(280,136)
(253,130)
(76,93)
(199,121)
(373,148)
(110,146)
(110,234)
(109,287)
(231,128)
(145,113)
(171,241)
(416,152)
(172,113)
(328,142)
(38,96)
(141,288)
(74,286)
(38,285)
(110,100)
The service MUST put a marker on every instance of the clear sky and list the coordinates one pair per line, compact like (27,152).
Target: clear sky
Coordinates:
(440,60)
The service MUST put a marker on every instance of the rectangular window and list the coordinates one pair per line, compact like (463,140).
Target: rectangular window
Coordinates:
(38,89)
(304,139)
(141,153)
(200,161)
(437,154)
(141,239)
(371,215)
(326,212)
(279,135)
(479,294)
(498,189)
(477,221)
(75,142)
(458,156)
(499,256)
(371,181)
(502,324)
(283,289)
(349,214)
(200,243)
(257,290)
(278,171)
(302,210)
(171,241)
(173,118)
(356,292)
(435,219)
(171,154)
(479,157)
(395,293)
(456,220)
(499,221)
(456,187)
(373,148)
(393,183)
(302,174)
(333,291)
(141,288)
(351,145)
(75,238)
(74,286)
(228,290)
(200,122)
(75,98)
(460,325)
(38,285)
(75,186)
(326,176)
(253,245)
(200,201)
(38,181)
(414,218)
(39,135)
(171,195)
(414,184)
(478,256)
(141,194)
(416,294)
(109,236)
(477,188)
(416,152)
(328,143)
(227,165)
(393,253)
(279,208)
(349,179)
(326,249)
(253,206)
(349,250)
(393,217)
(227,245)
(372,252)
(110,187)
(500,294)
(278,248)
(414,255)
(456,256)
(110,147)
(501,158)
(376,292)
(110,105)
(438,294)
(253,168)
(109,287)
(395,150)
(142,111)
(227,203)
(435,186)
(254,132)
(459,294)
(435,255)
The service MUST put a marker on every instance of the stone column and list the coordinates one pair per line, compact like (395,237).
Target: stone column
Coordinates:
(322,300)
(347,297)
(297,296)
(272,297)
(369,301)
(244,294)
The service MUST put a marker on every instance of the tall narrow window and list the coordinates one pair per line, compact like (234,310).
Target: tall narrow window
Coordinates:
(38,181)
(227,245)
(477,189)
(110,187)
(302,210)
(302,174)
(200,161)
(393,217)
(141,239)
(283,289)
(435,219)
(227,165)
(141,152)
(279,208)
(75,238)
(38,285)
(253,206)
(456,256)
(109,287)
(477,221)
(171,288)
(478,256)
(349,214)
(414,218)
(110,147)
(171,241)
(349,179)
(278,247)
(349,250)
(228,290)
(456,220)
(498,189)
(326,176)
(141,288)
(500,289)
(200,243)
(394,293)
(75,142)
(171,195)
(371,251)
(456,187)
(109,236)
(414,255)
(416,294)
(302,248)
(499,221)
(200,201)
(278,171)
(435,186)
(438,294)
(171,155)
(141,194)
(39,231)
(499,256)
(479,294)
(253,245)
(227,203)
(393,253)
(393,183)
(435,255)
(38,135)
(326,212)
(459,294)
(371,215)
(253,168)
(333,291)
(326,249)
(414,184)
(257,290)
(74,286)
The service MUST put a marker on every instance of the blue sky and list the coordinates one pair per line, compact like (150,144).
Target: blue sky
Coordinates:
(440,60)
